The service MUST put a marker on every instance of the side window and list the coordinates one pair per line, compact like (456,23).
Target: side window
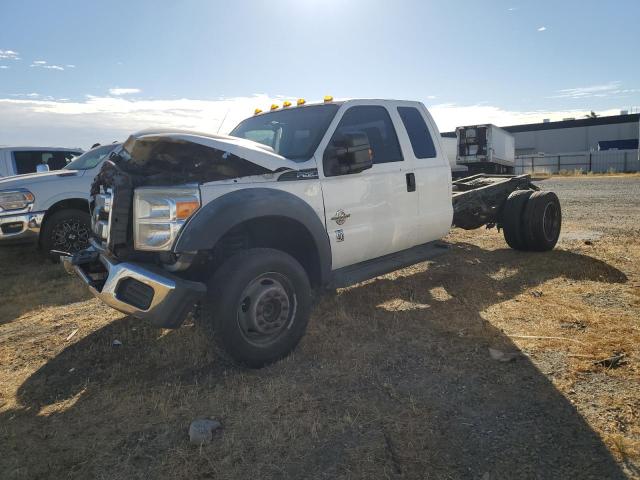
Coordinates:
(375,123)
(27,161)
(421,141)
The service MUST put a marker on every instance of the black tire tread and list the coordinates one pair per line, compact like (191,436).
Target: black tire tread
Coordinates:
(219,310)
(512,219)
(533,221)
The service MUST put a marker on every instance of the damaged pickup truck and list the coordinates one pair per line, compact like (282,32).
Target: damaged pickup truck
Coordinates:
(239,230)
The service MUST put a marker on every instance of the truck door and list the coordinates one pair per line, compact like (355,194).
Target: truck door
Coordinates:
(370,213)
(431,169)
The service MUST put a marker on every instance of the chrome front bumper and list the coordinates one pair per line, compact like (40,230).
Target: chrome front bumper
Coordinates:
(25,226)
(140,290)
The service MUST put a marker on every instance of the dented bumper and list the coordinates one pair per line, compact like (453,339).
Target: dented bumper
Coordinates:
(140,290)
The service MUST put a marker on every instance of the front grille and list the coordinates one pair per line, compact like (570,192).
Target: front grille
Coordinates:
(135,293)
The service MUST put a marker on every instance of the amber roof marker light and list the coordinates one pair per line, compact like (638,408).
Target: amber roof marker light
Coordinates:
(301,101)
(274,107)
(286,104)
(328,98)
(257,111)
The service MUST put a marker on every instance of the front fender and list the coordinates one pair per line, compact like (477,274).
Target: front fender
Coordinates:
(216,218)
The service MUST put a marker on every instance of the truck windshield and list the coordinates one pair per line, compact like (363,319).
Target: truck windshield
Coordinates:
(293,133)
(91,159)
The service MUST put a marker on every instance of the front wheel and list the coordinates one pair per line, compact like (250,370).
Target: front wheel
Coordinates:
(259,306)
(66,231)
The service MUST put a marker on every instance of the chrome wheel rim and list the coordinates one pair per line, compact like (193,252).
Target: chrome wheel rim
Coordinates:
(70,236)
(266,309)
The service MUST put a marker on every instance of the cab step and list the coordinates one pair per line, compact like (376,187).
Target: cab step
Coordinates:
(353,274)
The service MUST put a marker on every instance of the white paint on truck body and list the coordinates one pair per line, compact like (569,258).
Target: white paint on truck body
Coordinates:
(383,216)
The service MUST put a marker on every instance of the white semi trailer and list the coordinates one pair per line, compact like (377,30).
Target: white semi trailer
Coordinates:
(485,149)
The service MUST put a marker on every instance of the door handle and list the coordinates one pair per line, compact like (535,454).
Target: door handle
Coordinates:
(411,182)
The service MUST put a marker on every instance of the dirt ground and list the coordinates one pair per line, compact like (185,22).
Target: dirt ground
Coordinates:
(394,378)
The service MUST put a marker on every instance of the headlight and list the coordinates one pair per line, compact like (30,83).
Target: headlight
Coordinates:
(159,213)
(15,199)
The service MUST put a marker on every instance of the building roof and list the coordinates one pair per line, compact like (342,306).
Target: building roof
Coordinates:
(581,122)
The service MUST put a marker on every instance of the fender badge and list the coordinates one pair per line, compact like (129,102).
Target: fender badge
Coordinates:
(339,236)
(340,217)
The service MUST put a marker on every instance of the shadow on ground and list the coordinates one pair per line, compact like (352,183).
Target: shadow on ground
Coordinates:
(31,280)
(392,381)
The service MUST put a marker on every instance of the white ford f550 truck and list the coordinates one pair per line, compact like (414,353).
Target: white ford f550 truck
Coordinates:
(241,229)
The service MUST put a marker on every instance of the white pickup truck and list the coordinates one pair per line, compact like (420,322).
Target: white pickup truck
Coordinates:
(241,229)
(51,208)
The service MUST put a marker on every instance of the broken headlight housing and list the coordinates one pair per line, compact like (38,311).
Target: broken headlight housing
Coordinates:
(18,199)
(160,213)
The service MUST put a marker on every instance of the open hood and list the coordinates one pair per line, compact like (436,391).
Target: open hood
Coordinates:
(253,152)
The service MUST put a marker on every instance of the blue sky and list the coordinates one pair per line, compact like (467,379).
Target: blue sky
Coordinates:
(72,71)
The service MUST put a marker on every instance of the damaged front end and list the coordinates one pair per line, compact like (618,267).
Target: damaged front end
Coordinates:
(144,194)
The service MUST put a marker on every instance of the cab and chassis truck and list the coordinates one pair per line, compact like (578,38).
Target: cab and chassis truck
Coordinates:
(240,231)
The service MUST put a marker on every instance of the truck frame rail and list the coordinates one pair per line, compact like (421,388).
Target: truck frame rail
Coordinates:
(479,199)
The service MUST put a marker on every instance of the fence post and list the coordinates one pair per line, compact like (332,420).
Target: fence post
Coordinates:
(590,163)
(532,169)
(558,163)
(625,162)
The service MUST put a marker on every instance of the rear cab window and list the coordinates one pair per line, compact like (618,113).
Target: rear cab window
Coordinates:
(418,132)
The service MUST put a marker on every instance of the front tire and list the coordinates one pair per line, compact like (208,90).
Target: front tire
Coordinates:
(66,231)
(259,306)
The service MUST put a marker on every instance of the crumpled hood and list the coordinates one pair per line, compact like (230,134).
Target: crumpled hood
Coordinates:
(254,152)
(28,179)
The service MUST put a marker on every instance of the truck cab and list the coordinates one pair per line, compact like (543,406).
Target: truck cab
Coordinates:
(400,195)
(238,230)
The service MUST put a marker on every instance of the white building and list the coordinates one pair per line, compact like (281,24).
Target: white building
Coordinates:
(575,135)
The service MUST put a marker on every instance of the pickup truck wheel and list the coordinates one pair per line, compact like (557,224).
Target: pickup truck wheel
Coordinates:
(542,221)
(66,231)
(259,306)
(512,219)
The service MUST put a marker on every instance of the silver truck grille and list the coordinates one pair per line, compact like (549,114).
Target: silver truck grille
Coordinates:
(101,215)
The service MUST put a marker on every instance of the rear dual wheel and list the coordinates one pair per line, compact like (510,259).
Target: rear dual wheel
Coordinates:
(532,220)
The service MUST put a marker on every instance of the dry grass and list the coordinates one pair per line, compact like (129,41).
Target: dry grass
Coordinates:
(393,380)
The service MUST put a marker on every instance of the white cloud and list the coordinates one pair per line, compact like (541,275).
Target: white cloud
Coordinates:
(31,119)
(70,66)
(9,55)
(450,116)
(3,67)
(610,89)
(105,119)
(542,29)
(123,91)
(44,64)
(431,97)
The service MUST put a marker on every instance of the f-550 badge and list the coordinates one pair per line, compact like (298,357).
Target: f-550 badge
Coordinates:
(340,217)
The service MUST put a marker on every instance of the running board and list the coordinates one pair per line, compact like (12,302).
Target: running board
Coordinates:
(353,274)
